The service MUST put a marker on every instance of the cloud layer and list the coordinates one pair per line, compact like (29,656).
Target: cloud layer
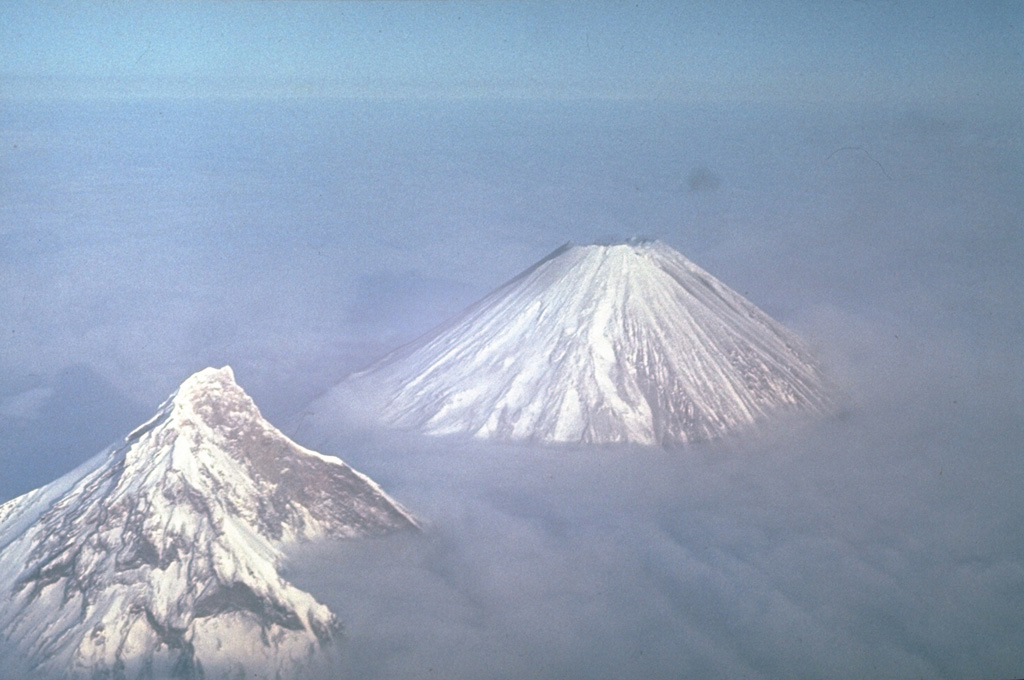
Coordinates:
(881,543)
(142,242)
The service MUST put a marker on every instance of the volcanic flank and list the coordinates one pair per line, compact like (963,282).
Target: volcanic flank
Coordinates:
(159,557)
(604,343)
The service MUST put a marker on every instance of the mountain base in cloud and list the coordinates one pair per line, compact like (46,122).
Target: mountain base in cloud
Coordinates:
(628,342)
(160,557)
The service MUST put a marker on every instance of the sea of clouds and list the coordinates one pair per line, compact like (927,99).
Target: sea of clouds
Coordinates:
(143,241)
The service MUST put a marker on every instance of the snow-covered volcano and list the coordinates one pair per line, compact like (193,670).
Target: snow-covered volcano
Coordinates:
(605,343)
(159,557)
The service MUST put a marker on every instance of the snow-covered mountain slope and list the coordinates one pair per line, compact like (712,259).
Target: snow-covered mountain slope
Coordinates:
(159,557)
(606,343)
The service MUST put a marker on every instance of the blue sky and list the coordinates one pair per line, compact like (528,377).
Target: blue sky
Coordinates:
(791,52)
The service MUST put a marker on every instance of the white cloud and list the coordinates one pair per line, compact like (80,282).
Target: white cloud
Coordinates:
(882,544)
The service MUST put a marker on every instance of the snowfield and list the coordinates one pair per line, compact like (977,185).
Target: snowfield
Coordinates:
(594,344)
(160,557)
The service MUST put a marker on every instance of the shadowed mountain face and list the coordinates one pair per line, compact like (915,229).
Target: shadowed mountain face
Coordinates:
(159,557)
(608,343)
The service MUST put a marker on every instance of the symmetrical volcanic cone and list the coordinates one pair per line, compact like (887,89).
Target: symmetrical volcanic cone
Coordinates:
(605,343)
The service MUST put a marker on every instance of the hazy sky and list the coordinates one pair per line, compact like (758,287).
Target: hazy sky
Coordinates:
(779,52)
(296,188)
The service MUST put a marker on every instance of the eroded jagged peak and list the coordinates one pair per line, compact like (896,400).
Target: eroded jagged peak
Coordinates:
(209,394)
(210,377)
(163,552)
